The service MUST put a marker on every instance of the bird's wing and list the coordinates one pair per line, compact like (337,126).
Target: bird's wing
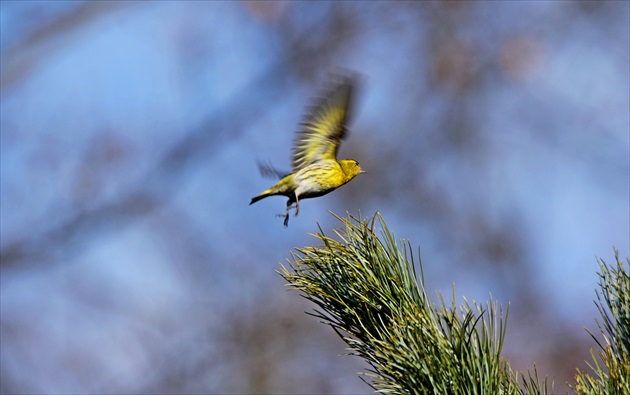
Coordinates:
(268,170)
(325,126)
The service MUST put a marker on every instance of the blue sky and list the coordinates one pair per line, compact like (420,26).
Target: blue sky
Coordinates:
(509,120)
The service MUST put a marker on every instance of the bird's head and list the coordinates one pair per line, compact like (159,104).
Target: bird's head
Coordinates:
(350,168)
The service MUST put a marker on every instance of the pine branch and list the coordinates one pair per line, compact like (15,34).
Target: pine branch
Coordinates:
(611,364)
(366,288)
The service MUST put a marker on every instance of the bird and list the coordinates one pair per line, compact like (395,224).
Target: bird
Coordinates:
(315,170)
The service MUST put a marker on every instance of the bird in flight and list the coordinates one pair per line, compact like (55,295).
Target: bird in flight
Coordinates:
(315,168)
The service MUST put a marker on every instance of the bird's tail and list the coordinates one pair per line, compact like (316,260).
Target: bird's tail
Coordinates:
(284,187)
(261,196)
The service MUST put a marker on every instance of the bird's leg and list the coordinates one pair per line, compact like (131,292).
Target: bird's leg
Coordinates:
(297,205)
(286,214)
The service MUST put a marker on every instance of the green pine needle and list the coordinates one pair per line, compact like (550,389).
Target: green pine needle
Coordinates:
(611,364)
(367,289)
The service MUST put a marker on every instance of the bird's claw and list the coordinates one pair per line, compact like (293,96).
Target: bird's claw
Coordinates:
(286,215)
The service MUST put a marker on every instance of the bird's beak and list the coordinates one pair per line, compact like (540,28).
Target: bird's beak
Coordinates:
(362,171)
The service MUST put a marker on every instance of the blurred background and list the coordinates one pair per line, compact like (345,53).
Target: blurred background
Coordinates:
(495,136)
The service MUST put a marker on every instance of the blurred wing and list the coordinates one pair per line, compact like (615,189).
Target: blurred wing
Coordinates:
(324,128)
(268,170)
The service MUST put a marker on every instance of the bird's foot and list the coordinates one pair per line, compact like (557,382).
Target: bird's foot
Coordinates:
(286,215)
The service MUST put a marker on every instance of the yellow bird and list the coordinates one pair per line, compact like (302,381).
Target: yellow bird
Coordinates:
(315,168)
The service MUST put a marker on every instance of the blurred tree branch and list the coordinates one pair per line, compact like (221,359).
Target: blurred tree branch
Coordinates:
(220,126)
(162,181)
(41,43)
